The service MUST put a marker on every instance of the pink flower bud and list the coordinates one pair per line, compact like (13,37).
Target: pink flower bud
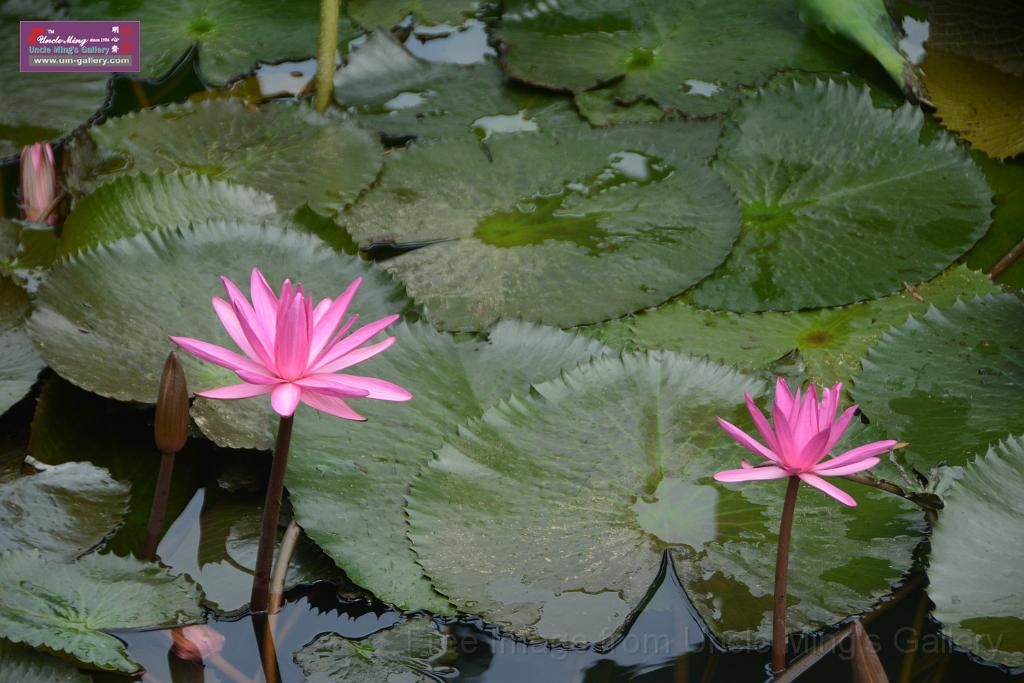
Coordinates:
(196,643)
(38,182)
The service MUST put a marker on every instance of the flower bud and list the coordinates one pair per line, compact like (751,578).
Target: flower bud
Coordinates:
(196,643)
(171,426)
(38,183)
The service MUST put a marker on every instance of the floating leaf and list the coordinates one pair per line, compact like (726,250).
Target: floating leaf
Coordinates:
(406,653)
(1007,181)
(136,203)
(667,51)
(62,511)
(603,108)
(372,14)
(21,664)
(232,35)
(526,232)
(831,341)
(990,32)
(819,171)
(976,573)
(346,481)
(949,382)
(286,150)
(19,363)
(141,289)
(403,96)
(549,515)
(66,608)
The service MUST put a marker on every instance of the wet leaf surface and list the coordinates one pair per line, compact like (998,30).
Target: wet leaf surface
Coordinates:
(19,362)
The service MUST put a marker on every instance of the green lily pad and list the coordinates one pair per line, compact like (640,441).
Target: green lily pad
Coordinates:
(549,515)
(66,608)
(1007,181)
(402,96)
(25,665)
(141,289)
(286,150)
(62,511)
(132,204)
(831,341)
(19,362)
(407,653)
(949,382)
(523,232)
(989,32)
(232,35)
(372,14)
(976,572)
(71,99)
(840,200)
(666,51)
(346,481)
(604,108)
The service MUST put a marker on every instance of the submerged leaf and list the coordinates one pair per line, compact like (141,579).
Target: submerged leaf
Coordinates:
(66,608)
(976,574)
(19,362)
(347,482)
(841,201)
(949,382)
(549,515)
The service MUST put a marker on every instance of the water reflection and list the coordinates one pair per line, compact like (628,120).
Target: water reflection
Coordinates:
(465,44)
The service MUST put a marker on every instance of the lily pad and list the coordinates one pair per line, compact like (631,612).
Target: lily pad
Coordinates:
(62,511)
(25,665)
(977,568)
(286,150)
(549,515)
(346,481)
(19,363)
(522,231)
(232,35)
(666,51)
(1007,181)
(818,169)
(66,608)
(402,96)
(372,14)
(406,653)
(831,341)
(604,108)
(990,32)
(136,203)
(949,382)
(141,289)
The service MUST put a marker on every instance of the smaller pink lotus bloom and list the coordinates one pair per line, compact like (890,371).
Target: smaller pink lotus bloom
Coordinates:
(196,643)
(293,350)
(38,182)
(804,433)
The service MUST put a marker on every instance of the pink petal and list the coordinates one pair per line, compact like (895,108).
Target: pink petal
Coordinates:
(787,452)
(829,405)
(217,355)
(354,340)
(764,428)
(320,309)
(285,399)
(331,319)
(827,488)
(330,405)
(257,377)
(751,474)
(337,337)
(842,470)
(292,347)
(357,356)
(330,385)
(237,391)
(375,388)
(814,449)
(840,426)
(229,320)
(747,441)
(265,306)
(259,339)
(859,453)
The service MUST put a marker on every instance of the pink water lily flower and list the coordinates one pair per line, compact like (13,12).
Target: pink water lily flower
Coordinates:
(38,183)
(804,433)
(196,643)
(294,350)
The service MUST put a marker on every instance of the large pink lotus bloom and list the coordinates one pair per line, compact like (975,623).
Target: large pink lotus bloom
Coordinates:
(805,431)
(293,350)
(38,183)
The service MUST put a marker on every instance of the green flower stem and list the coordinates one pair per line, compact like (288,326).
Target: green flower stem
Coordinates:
(330,11)
(782,577)
(157,513)
(271,514)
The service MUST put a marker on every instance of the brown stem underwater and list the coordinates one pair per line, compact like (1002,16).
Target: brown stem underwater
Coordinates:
(157,513)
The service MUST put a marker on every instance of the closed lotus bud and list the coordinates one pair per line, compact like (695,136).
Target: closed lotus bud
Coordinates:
(39,187)
(171,427)
(196,643)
